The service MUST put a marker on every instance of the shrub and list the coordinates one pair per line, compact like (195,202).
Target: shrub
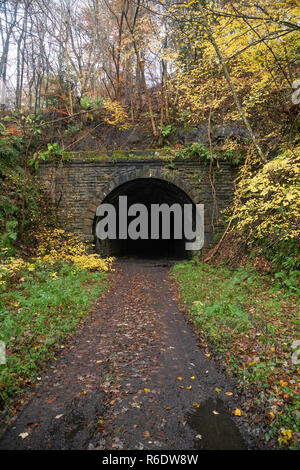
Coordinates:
(267,203)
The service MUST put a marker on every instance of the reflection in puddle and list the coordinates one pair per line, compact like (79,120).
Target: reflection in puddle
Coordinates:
(217,431)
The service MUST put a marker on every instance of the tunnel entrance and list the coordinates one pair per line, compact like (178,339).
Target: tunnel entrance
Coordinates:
(146,191)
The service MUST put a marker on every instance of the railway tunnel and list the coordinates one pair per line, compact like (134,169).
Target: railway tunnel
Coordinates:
(79,186)
(150,192)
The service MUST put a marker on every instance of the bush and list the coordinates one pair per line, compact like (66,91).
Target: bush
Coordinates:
(267,211)
(267,203)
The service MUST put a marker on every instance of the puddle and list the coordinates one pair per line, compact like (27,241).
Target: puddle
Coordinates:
(217,431)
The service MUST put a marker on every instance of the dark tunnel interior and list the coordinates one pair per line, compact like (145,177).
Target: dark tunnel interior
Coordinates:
(146,191)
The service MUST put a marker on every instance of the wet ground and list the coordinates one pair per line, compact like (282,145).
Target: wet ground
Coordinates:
(135,377)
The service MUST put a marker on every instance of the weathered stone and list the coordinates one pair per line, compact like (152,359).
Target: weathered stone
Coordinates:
(218,134)
(80,188)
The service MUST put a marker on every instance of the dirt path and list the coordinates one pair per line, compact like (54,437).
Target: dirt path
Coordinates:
(135,377)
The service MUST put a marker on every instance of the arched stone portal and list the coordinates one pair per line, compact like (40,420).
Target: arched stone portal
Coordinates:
(146,188)
(78,187)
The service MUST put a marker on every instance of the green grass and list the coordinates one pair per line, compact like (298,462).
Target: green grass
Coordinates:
(250,324)
(37,314)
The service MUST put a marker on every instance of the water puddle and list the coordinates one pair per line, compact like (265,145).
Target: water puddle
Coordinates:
(215,430)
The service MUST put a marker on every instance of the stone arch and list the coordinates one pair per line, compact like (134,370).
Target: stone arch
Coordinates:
(126,176)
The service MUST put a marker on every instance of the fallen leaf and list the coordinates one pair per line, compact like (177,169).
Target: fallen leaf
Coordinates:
(283,383)
(51,400)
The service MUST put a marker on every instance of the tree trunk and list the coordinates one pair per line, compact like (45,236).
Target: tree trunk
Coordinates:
(235,96)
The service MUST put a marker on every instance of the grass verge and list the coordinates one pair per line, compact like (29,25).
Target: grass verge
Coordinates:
(251,325)
(37,313)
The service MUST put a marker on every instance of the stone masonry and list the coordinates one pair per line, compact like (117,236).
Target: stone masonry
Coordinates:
(78,187)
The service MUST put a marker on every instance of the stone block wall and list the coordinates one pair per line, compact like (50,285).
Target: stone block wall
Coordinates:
(78,187)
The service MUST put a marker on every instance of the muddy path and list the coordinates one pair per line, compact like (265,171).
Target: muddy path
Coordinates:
(135,377)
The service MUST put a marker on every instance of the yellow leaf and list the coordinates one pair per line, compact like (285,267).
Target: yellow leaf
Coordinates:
(283,383)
